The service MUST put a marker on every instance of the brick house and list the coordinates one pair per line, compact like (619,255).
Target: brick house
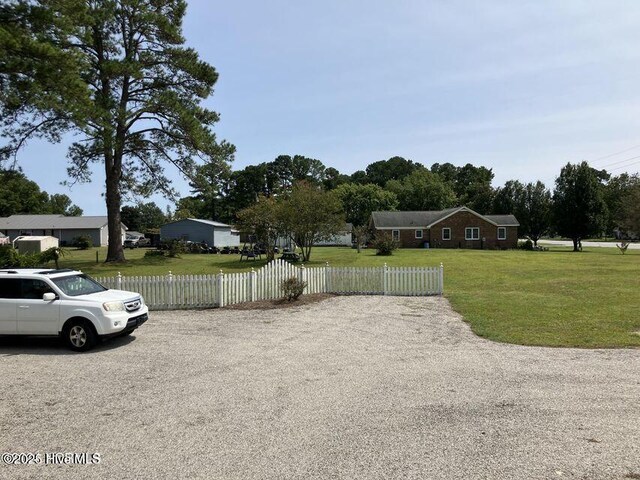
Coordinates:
(458,227)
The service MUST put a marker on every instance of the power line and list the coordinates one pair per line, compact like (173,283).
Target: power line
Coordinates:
(619,161)
(614,154)
(625,166)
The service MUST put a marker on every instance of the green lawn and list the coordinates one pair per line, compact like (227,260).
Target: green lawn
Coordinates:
(556,298)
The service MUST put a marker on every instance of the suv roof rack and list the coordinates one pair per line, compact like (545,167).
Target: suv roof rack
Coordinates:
(8,271)
(52,271)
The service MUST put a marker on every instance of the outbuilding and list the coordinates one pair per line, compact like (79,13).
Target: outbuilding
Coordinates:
(215,234)
(66,229)
(35,244)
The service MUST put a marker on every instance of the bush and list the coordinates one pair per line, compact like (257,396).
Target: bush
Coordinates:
(384,244)
(292,288)
(11,258)
(526,245)
(83,242)
(174,248)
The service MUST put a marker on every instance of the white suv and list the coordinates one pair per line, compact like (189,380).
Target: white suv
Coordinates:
(66,303)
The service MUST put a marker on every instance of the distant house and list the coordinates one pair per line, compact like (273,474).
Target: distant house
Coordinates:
(458,227)
(63,228)
(196,230)
(342,238)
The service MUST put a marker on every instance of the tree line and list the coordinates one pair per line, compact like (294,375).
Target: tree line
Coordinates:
(584,201)
(19,195)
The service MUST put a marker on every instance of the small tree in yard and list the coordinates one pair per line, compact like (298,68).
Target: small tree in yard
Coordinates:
(264,220)
(359,235)
(310,215)
(292,288)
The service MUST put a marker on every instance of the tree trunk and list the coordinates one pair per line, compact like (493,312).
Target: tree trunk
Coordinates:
(575,244)
(115,252)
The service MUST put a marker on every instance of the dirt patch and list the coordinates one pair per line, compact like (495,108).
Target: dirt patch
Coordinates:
(281,303)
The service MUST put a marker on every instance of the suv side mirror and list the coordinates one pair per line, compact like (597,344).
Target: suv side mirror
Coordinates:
(49,297)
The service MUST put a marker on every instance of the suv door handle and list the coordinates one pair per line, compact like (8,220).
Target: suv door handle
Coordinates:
(23,306)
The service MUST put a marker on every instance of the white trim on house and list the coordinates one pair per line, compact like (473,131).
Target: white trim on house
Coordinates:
(395,234)
(421,234)
(448,229)
(475,233)
(504,234)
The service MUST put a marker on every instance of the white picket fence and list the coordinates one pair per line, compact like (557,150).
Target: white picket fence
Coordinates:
(171,292)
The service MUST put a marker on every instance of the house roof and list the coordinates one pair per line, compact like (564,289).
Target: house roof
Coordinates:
(429,217)
(504,220)
(28,222)
(199,220)
(409,219)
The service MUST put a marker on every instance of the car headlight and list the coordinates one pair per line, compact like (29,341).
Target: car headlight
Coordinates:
(113,306)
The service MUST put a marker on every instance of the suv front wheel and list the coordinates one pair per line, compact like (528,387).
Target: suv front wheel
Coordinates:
(79,335)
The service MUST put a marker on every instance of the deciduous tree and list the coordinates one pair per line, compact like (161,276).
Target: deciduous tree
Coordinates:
(578,204)
(358,201)
(311,215)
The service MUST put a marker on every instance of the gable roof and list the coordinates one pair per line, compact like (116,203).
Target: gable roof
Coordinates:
(409,219)
(199,220)
(427,218)
(45,222)
(504,220)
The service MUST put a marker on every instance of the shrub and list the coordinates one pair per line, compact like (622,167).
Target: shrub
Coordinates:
(384,244)
(82,242)
(526,245)
(292,288)
(11,258)
(175,247)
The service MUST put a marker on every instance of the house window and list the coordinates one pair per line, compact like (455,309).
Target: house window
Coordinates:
(395,235)
(472,233)
(446,234)
(502,233)
(418,233)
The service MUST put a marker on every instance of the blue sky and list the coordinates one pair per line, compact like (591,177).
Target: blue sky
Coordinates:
(521,87)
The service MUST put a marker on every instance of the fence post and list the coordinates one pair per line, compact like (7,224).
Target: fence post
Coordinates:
(441,279)
(252,285)
(220,289)
(170,292)
(303,274)
(327,279)
(385,280)
(119,281)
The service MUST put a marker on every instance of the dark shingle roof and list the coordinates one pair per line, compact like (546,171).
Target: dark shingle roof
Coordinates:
(427,218)
(503,220)
(408,219)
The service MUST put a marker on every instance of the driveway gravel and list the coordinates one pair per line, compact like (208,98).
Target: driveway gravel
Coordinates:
(351,387)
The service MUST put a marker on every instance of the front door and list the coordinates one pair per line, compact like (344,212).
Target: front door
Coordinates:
(9,292)
(34,315)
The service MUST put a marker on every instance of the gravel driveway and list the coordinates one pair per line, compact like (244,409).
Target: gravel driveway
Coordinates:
(352,387)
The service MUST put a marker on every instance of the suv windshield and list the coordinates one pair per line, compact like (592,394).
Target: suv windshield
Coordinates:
(75,285)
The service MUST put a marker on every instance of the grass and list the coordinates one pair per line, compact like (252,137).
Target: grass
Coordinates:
(556,298)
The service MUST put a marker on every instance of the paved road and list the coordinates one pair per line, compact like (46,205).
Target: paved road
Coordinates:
(568,243)
(353,387)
